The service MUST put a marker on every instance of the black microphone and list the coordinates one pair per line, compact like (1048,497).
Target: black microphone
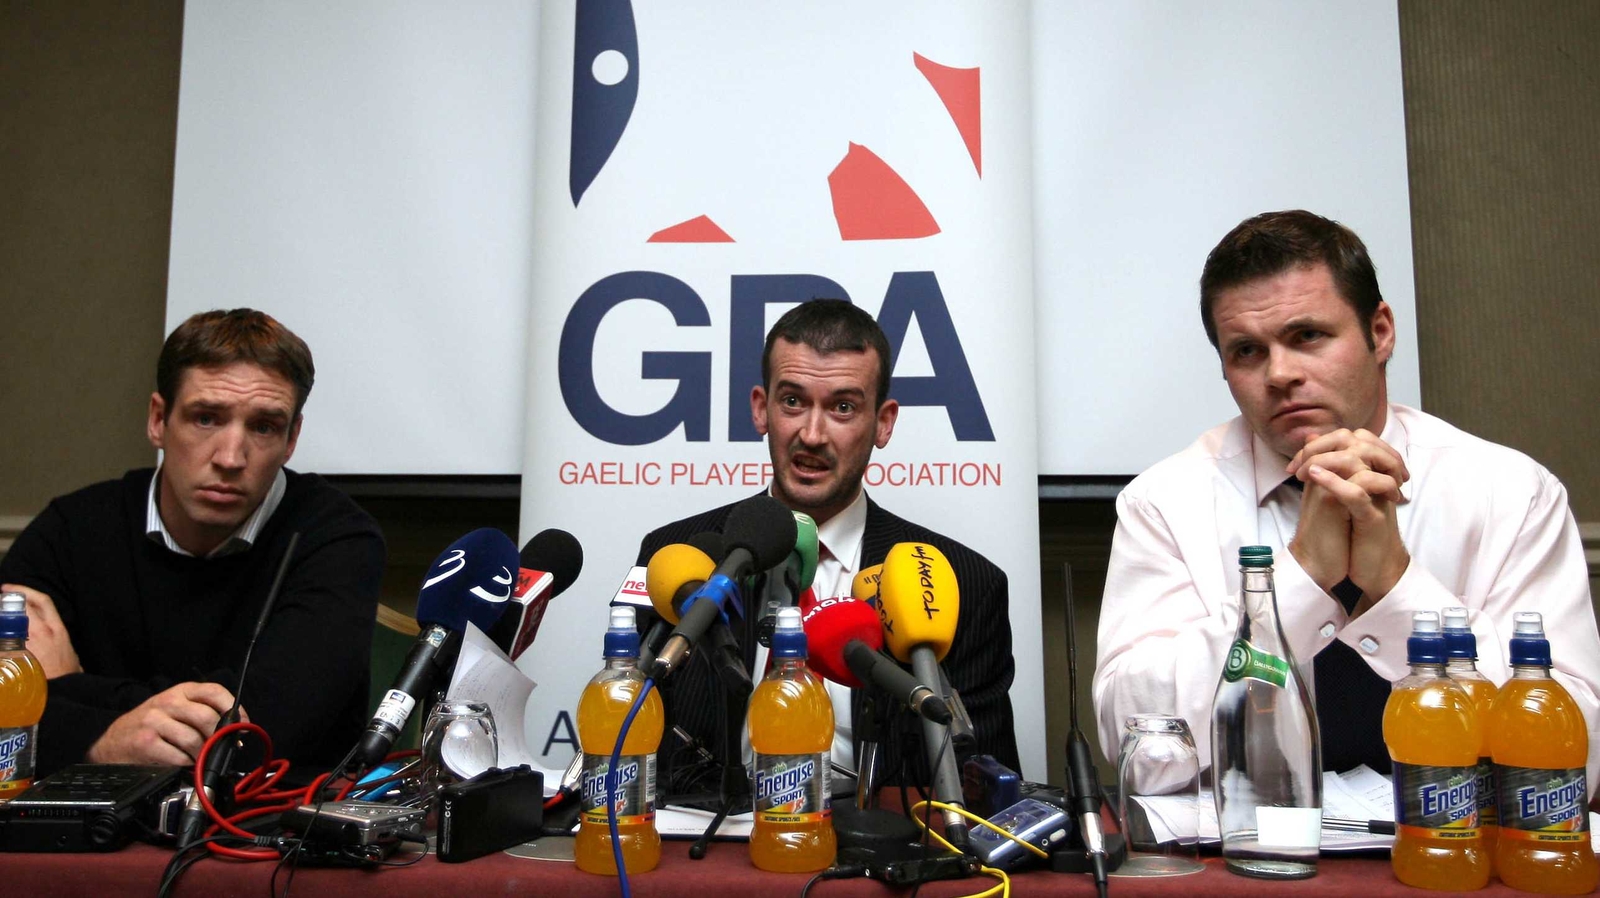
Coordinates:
(549,563)
(213,779)
(470,582)
(872,667)
(782,586)
(760,534)
(1082,779)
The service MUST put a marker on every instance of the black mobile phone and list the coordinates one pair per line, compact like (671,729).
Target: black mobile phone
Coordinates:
(490,812)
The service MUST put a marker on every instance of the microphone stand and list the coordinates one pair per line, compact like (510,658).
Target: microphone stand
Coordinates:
(733,679)
(941,756)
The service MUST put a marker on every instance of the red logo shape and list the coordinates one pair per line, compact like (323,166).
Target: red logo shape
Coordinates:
(872,202)
(700,229)
(959,90)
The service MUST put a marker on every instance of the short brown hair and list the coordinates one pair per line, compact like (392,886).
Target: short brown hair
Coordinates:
(1272,243)
(216,338)
(829,326)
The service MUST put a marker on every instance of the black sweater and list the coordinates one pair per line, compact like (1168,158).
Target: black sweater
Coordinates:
(143,618)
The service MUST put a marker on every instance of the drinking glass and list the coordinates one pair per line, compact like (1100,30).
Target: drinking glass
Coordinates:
(458,743)
(1158,803)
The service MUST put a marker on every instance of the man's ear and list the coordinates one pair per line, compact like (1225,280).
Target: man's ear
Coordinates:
(294,437)
(1382,332)
(758,409)
(155,428)
(887,414)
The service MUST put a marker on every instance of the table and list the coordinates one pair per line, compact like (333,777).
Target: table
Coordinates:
(724,873)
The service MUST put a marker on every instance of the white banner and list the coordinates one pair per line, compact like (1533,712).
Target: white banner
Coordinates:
(702,167)
(363,169)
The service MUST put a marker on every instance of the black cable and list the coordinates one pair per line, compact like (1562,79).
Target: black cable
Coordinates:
(292,859)
(188,857)
(848,871)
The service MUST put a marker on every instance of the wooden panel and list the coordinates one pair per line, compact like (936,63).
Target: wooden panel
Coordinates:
(1502,121)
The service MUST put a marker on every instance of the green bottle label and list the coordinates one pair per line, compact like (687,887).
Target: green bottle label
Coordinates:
(1245,660)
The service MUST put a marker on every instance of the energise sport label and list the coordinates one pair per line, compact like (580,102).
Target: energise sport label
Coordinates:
(635,788)
(1443,801)
(792,788)
(16,756)
(1539,804)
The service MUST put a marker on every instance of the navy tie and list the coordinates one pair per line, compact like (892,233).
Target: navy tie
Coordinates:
(1350,697)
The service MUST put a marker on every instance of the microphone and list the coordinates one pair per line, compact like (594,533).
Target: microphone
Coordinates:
(213,780)
(1082,779)
(760,533)
(675,573)
(844,637)
(549,563)
(865,584)
(470,582)
(784,584)
(919,603)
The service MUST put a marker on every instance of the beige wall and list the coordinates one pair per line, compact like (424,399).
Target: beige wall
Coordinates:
(88,122)
(1502,120)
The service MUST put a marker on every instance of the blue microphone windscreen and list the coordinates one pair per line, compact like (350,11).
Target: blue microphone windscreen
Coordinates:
(470,581)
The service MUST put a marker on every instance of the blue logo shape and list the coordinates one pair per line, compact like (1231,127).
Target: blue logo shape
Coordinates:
(600,111)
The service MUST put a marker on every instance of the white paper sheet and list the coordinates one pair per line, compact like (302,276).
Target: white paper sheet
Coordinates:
(484,674)
(1360,794)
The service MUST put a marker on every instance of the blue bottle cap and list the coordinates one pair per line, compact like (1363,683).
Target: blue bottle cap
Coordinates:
(789,637)
(1426,645)
(1529,648)
(1459,643)
(622,639)
(13,616)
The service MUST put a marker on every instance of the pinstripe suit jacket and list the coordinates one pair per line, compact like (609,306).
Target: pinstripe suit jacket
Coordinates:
(979,663)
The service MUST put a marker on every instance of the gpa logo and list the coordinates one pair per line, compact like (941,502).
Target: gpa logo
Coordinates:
(870,201)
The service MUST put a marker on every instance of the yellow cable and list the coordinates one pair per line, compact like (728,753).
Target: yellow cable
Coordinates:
(973,818)
(1004,888)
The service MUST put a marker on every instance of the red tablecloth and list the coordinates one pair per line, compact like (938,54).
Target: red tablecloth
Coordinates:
(724,873)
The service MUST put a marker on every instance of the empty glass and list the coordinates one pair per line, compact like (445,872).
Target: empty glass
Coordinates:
(458,743)
(1158,778)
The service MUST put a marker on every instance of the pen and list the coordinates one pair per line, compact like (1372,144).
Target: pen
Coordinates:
(1376,827)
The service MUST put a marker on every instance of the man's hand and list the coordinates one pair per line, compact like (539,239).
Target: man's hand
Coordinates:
(1347,453)
(169,728)
(1378,557)
(1321,544)
(47,635)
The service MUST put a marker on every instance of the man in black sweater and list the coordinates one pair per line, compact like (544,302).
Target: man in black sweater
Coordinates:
(143,592)
(823,406)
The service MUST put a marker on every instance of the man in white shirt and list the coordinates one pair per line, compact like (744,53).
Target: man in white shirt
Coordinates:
(1374,511)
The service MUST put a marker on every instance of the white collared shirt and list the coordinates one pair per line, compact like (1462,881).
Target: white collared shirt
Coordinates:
(1486,527)
(842,535)
(238,541)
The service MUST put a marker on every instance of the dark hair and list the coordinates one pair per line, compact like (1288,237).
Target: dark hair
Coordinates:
(829,326)
(215,338)
(1273,242)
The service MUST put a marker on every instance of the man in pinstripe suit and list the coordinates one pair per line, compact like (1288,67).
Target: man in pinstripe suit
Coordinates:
(823,407)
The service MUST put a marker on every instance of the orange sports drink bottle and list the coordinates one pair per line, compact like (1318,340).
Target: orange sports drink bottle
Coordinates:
(601,710)
(1432,730)
(791,736)
(1461,665)
(1540,748)
(22,691)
